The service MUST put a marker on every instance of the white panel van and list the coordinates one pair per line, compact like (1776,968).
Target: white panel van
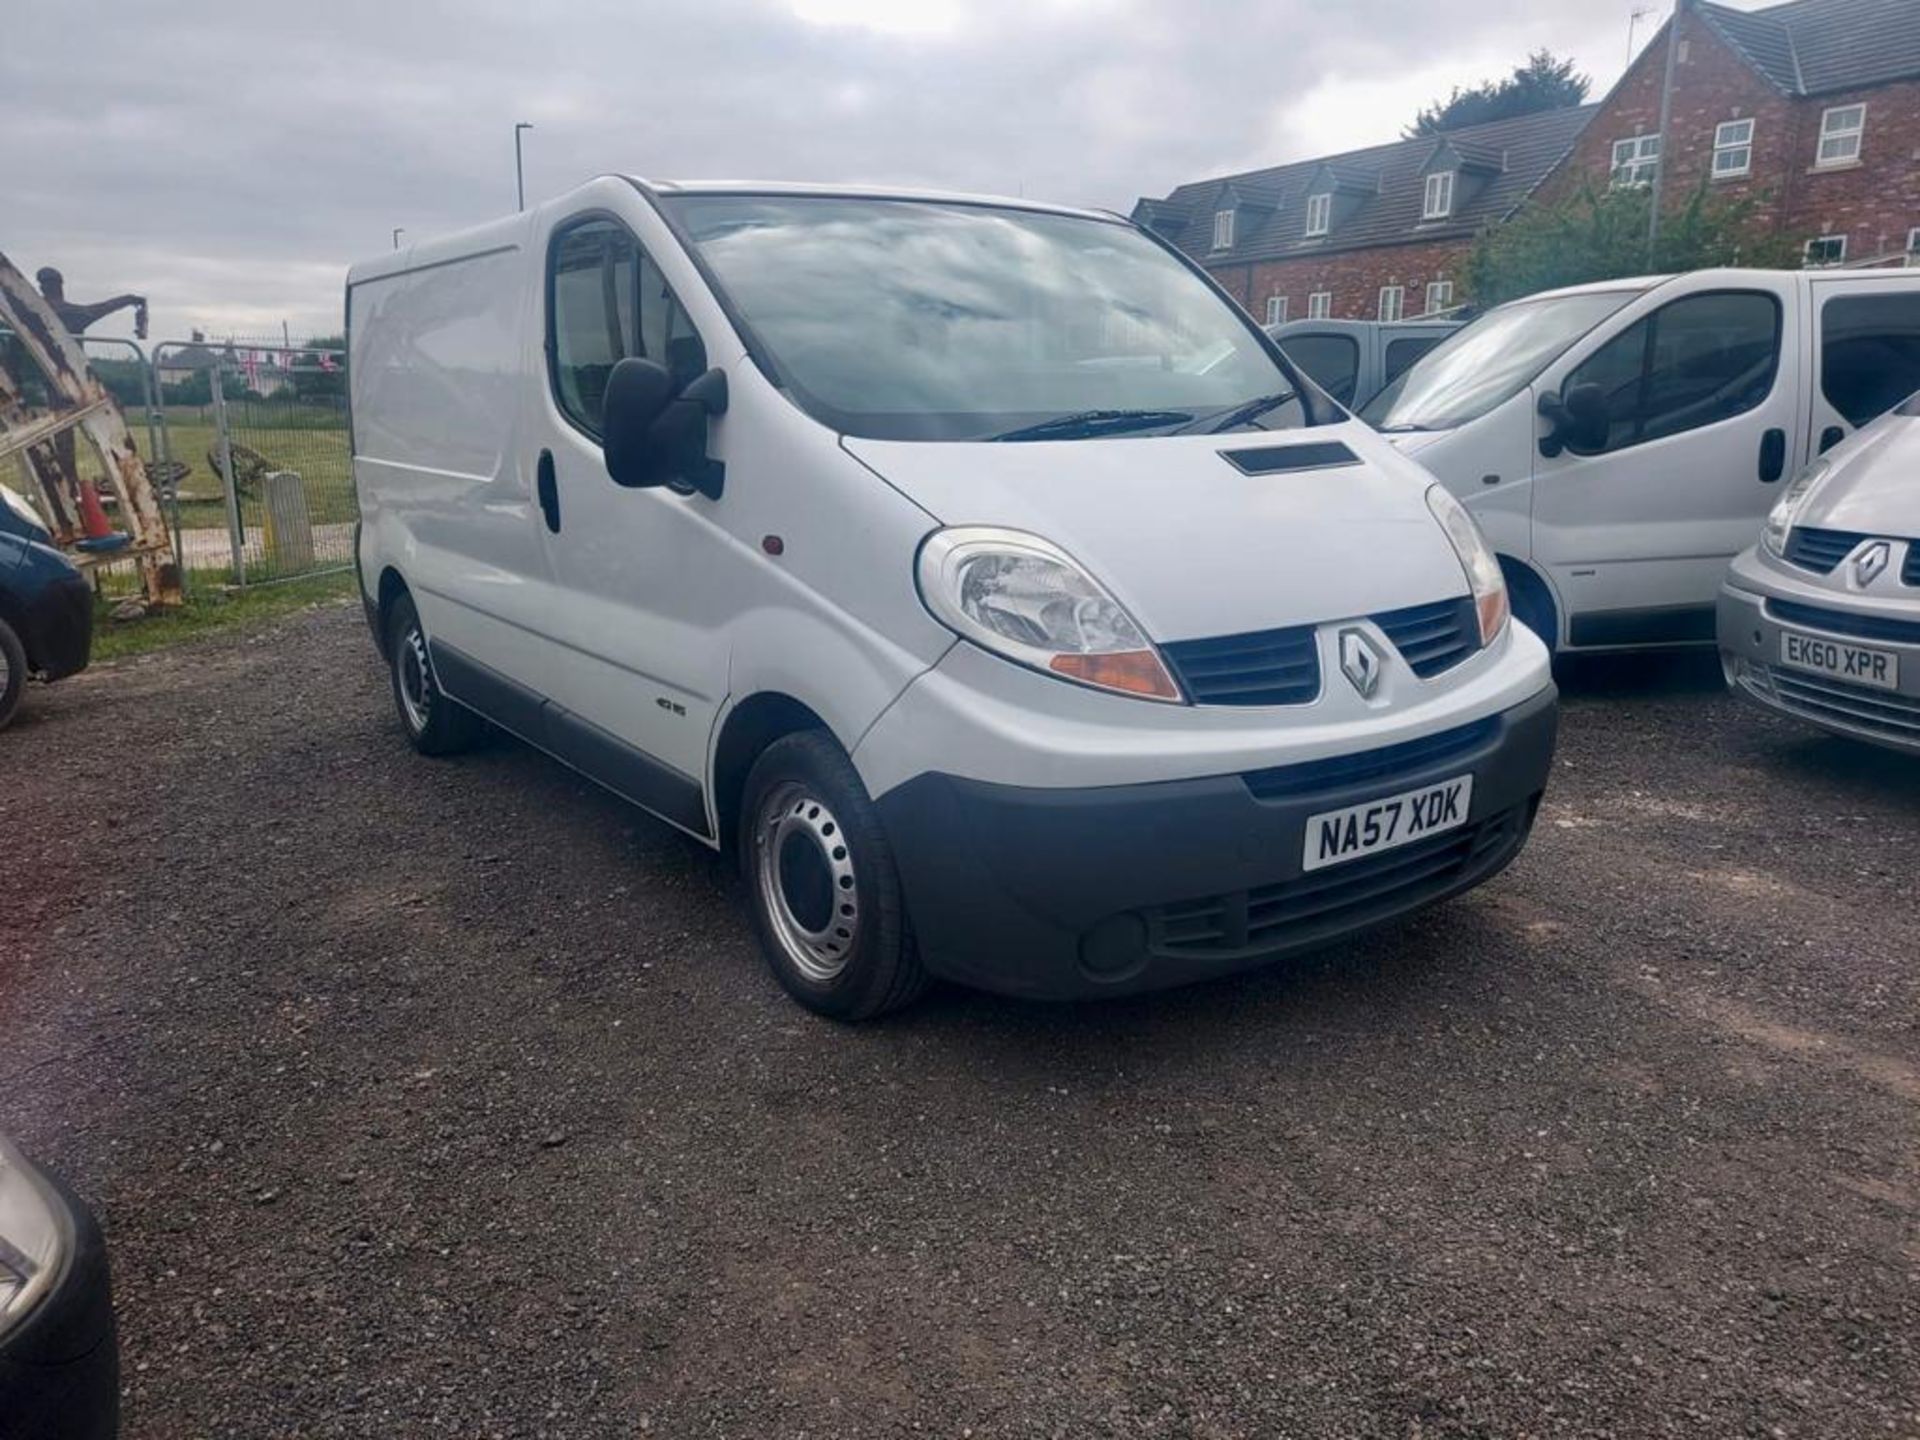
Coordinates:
(1620,442)
(975,570)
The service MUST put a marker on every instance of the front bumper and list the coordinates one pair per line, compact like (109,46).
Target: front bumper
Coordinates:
(1070,892)
(1750,646)
(60,1366)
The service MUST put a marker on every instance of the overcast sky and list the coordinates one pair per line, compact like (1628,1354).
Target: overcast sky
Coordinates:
(230,160)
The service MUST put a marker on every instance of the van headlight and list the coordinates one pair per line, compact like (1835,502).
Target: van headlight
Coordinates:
(34,1238)
(1773,535)
(1484,579)
(1029,601)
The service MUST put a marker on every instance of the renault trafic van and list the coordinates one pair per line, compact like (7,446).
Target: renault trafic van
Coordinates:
(975,570)
(1620,442)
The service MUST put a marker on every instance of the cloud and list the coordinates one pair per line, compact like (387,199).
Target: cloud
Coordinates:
(230,162)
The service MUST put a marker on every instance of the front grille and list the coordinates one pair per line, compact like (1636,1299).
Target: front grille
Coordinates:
(1820,550)
(1845,622)
(1329,902)
(1265,667)
(1433,638)
(1910,572)
(1819,698)
(1309,777)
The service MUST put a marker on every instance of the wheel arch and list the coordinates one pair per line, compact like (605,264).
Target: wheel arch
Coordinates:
(392,586)
(749,728)
(1530,590)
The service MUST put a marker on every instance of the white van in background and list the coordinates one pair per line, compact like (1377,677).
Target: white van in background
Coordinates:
(1620,442)
(977,570)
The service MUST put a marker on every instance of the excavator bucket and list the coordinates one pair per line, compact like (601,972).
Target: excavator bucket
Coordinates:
(77,403)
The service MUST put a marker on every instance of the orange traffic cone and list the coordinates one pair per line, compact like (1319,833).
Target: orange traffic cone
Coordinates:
(93,519)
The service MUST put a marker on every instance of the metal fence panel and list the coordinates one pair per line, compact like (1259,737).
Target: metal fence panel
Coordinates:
(266,492)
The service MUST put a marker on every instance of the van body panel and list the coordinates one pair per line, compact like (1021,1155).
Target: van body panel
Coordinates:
(1196,570)
(437,370)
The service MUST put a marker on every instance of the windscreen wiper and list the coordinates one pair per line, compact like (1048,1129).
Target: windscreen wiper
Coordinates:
(1095,422)
(1252,410)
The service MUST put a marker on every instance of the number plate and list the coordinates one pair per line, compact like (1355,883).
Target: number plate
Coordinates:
(1844,662)
(1337,835)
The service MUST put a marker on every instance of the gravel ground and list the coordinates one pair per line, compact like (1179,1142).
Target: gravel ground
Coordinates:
(450,1098)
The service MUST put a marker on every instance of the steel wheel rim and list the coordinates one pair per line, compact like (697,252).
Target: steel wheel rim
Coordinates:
(416,686)
(799,841)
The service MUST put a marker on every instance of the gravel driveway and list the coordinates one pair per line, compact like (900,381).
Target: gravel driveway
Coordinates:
(450,1098)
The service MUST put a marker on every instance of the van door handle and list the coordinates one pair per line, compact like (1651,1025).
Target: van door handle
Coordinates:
(1830,437)
(548,492)
(1773,455)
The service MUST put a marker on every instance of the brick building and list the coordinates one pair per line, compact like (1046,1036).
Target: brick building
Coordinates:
(1812,107)
(1374,232)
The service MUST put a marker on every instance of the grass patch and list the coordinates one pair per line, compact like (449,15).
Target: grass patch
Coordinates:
(211,609)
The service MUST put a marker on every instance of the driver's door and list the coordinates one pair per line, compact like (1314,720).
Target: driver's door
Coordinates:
(1701,422)
(639,666)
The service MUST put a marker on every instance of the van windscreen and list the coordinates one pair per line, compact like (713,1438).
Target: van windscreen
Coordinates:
(927,320)
(1489,362)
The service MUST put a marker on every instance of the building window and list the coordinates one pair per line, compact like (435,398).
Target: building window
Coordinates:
(1827,250)
(1840,132)
(1319,213)
(1636,160)
(1733,149)
(1439,296)
(1276,309)
(1438,203)
(1223,229)
(1913,247)
(1393,301)
(1320,305)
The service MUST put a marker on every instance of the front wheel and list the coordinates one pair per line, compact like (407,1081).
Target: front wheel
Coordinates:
(13,672)
(821,881)
(435,724)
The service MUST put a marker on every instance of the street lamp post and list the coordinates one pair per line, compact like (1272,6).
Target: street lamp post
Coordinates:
(519,169)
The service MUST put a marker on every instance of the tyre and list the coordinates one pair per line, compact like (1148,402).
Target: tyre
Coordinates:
(435,724)
(822,885)
(13,672)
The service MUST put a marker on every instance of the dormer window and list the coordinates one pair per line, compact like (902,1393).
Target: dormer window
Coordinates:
(1223,229)
(1319,214)
(1438,203)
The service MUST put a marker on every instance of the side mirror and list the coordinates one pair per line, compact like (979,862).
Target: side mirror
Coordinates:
(654,436)
(638,393)
(1576,418)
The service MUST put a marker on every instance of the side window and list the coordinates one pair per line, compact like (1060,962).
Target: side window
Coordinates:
(1869,353)
(607,300)
(1403,352)
(1697,361)
(1333,362)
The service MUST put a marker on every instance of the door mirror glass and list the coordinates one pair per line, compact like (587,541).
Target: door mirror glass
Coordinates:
(638,393)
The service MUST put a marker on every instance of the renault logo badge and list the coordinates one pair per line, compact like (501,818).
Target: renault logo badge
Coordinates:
(1360,662)
(1870,562)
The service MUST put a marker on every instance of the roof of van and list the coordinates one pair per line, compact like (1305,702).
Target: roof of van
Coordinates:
(859,192)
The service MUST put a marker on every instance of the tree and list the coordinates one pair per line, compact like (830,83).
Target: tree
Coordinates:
(1602,234)
(1543,83)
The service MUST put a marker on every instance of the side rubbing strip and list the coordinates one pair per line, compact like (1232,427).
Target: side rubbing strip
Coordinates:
(1273,459)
